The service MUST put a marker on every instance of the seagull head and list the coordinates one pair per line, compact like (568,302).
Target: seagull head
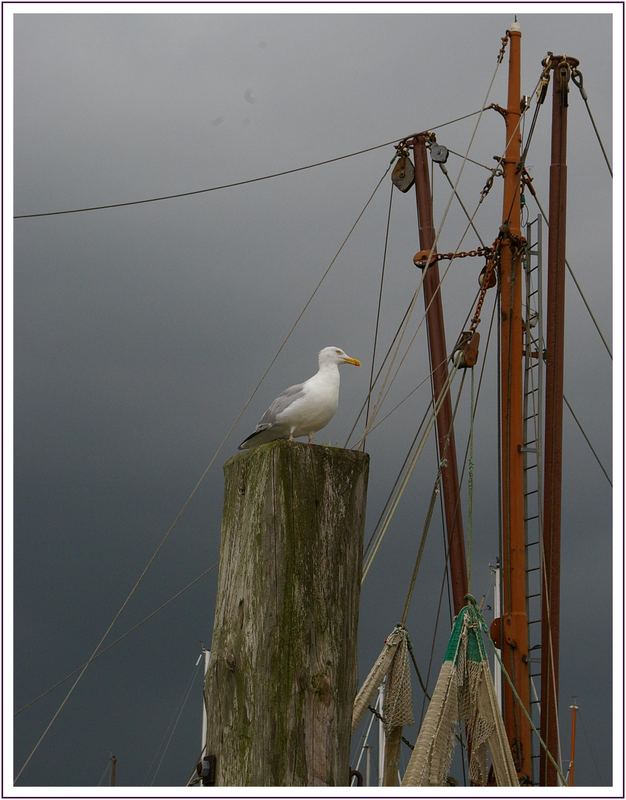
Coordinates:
(335,355)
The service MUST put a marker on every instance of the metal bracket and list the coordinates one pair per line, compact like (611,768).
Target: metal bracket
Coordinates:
(207,770)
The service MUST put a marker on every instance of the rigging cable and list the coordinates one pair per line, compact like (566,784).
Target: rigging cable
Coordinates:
(569,269)
(401,330)
(118,640)
(539,92)
(380,297)
(577,421)
(105,770)
(397,480)
(445,569)
(432,644)
(429,514)
(465,211)
(160,754)
(411,446)
(384,390)
(233,184)
(193,779)
(521,705)
(471,160)
(591,750)
(409,472)
(380,369)
(470,488)
(363,745)
(577,79)
(404,399)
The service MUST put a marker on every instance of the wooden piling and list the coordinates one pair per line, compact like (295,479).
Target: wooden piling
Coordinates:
(282,675)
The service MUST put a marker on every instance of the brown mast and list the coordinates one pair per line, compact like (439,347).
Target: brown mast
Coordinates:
(553,439)
(514,622)
(439,365)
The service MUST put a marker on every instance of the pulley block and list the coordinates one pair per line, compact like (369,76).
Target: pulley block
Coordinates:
(420,259)
(439,153)
(466,349)
(491,279)
(403,174)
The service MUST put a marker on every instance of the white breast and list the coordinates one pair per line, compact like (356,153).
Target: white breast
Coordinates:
(317,406)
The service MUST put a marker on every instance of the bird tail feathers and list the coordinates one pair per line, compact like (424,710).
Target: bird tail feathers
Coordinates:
(260,437)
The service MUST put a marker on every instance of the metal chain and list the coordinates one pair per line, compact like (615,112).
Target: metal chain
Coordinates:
(490,267)
(479,252)
(505,40)
(487,187)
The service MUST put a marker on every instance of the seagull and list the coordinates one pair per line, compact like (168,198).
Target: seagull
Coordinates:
(305,408)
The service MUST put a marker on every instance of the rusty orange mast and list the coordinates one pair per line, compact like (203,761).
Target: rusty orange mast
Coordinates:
(513,626)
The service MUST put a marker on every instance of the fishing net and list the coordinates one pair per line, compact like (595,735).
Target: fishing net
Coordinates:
(463,696)
(392,661)
(392,665)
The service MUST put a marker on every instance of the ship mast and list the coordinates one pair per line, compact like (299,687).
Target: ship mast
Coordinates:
(562,67)
(514,621)
(439,365)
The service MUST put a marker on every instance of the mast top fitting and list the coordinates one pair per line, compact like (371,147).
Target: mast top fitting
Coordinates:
(552,62)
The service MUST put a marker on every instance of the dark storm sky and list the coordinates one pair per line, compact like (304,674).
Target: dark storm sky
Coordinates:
(140,332)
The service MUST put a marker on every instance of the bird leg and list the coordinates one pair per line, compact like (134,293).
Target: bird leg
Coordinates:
(310,435)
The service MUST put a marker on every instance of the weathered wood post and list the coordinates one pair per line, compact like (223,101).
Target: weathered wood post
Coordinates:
(282,675)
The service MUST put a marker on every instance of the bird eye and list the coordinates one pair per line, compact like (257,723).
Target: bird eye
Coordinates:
(338,352)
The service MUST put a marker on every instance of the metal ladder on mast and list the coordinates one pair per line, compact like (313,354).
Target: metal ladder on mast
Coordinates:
(534,370)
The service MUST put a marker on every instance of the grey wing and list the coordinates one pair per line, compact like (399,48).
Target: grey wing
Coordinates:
(283,401)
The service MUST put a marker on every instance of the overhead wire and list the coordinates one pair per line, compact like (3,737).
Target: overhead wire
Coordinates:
(174,196)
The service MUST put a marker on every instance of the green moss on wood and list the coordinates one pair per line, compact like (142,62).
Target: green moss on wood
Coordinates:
(287,608)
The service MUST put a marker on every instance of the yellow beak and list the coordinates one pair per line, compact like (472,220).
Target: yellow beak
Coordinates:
(355,361)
